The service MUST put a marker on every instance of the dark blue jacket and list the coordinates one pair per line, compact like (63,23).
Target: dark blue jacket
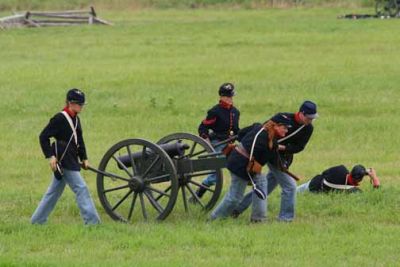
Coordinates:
(222,120)
(334,175)
(59,128)
(237,163)
(297,142)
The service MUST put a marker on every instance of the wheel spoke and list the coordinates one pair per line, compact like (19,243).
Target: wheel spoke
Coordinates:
(195,196)
(151,166)
(185,204)
(192,148)
(202,186)
(155,204)
(158,191)
(157,178)
(144,149)
(197,153)
(122,200)
(161,195)
(108,174)
(132,206)
(201,173)
(143,206)
(122,165)
(116,188)
(134,167)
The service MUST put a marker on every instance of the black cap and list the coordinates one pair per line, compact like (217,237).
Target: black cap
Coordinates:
(281,118)
(309,109)
(227,89)
(76,96)
(358,172)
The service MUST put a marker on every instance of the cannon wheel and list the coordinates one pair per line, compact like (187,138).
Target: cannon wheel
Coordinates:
(128,193)
(189,183)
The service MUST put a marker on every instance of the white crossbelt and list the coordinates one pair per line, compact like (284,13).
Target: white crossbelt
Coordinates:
(70,139)
(71,124)
(338,186)
(290,135)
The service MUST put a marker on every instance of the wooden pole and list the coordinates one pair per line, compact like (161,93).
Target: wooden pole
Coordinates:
(60,12)
(60,16)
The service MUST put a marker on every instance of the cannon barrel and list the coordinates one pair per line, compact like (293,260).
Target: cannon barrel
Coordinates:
(172,149)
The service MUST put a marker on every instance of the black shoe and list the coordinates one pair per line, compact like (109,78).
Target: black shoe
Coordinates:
(199,193)
(235,214)
(257,220)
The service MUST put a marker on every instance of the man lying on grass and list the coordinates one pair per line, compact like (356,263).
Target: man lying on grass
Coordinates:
(339,179)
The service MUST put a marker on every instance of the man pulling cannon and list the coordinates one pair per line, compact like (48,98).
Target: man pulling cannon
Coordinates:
(221,123)
(294,142)
(63,156)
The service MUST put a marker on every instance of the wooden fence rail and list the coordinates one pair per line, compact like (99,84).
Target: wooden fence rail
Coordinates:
(52,18)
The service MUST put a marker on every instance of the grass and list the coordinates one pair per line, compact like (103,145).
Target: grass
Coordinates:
(163,4)
(157,72)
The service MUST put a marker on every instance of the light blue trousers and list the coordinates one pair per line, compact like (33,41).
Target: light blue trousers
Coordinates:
(288,194)
(54,192)
(235,195)
(304,187)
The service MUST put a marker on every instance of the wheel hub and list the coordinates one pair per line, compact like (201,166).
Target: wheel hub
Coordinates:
(137,184)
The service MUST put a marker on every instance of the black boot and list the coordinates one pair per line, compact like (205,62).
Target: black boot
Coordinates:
(235,214)
(200,192)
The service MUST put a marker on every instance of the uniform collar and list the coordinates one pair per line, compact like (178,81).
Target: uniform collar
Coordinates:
(351,181)
(297,118)
(225,105)
(70,112)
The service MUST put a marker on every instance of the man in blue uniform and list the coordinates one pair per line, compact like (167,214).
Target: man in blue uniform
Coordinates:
(63,156)
(257,147)
(294,142)
(221,123)
(340,179)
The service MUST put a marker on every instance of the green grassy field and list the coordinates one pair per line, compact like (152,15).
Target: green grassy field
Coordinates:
(138,4)
(157,72)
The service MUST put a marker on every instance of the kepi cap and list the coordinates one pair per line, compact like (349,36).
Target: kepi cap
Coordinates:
(309,109)
(75,95)
(281,118)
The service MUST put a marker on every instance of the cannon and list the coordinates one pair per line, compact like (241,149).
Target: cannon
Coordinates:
(140,180)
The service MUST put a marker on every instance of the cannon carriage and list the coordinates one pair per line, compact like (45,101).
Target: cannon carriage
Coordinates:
(140,180)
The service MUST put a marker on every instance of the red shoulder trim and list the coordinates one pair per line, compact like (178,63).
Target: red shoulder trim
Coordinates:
(210,121)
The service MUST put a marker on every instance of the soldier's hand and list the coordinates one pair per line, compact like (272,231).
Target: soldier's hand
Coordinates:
(372,172)
(53,162)
(374,178)
(281,147)
(85,164)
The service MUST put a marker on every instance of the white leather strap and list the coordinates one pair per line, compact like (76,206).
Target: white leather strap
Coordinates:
(254,142)
(290,135)
(74,135)
(338,186)
(251,154)
(71,124)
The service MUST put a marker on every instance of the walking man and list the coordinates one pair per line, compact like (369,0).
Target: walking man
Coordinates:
(63,156)
(294,142)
